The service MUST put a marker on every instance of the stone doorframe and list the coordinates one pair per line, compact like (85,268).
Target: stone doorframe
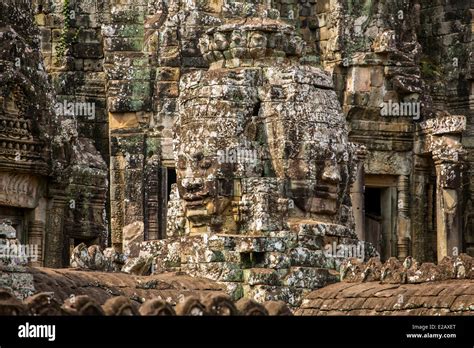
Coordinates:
(442,139)
(27,192)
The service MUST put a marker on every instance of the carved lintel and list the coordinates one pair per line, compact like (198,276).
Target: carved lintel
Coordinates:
(452,124)
(20,190)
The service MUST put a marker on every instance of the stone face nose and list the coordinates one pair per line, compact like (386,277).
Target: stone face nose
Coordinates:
(193,184)
(331,173)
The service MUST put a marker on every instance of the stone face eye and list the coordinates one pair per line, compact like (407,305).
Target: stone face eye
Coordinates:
(220,41)
(258,40)
(198,156)
(236,40)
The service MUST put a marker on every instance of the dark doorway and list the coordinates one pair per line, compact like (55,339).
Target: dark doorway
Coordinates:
(171,179)
(380,214)
(372,201)
(373,217)
(167,179)
(159,180)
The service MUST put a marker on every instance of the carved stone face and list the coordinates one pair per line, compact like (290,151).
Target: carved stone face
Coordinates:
(205,185)
(297,121)
(238,44)
(314,183)
(197,185)
(210,127)
(258,44)
(307,141)
(220,42)
(295,46)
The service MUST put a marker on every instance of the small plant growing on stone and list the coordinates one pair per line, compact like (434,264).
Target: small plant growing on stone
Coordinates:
(429,69)
(65,40)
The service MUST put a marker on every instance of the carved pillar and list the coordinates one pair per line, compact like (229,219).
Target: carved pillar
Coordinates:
(403,218)
(421,209)
(54,239)
(35,238)
(447,153)
(155,194)
(448,204)
(444,143)
(357,194)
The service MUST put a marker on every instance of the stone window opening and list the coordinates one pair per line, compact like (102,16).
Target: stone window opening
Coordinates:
(256,109)
(168,179)
(160,180)
(252,259)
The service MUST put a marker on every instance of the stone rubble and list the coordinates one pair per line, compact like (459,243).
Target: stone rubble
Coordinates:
(408,272)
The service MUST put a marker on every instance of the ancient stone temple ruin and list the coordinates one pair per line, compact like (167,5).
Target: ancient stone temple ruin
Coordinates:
(258,144)
(53,182)
(263,163)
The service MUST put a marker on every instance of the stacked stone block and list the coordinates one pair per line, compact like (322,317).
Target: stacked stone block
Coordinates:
(279,265)
(73,54)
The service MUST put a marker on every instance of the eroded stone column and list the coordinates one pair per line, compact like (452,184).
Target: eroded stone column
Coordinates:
(448,207)
(357,194)
(35,239)
(36,232)
(54,239)
(444,143)
(403,219)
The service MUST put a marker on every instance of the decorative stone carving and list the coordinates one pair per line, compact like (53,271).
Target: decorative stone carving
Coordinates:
(451,124)
(263,166)
(42,156)
(20,190)
(94,258)
(256,39)
(7,230)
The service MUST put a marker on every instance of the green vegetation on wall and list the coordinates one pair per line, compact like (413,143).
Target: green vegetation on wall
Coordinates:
(66,39)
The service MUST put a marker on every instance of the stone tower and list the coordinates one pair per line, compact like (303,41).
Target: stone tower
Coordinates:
(264,167)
